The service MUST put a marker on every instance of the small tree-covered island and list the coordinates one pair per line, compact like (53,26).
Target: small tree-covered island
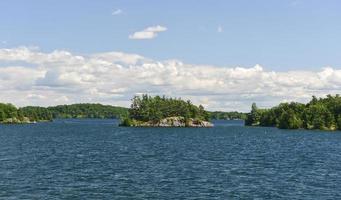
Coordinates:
(319,113)
(148,111)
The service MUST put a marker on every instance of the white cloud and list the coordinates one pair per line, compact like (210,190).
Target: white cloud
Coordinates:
(119,57)
(220,29)
(61,77)
(148,33)
(35,96)
(117,12)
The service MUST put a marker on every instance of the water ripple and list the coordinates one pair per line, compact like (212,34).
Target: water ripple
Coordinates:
(93,159)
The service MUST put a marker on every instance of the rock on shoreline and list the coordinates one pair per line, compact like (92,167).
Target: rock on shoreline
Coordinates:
(171,122)
(14,120)
(24,120)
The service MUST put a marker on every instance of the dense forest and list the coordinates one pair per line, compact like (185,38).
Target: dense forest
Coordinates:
(227,115)
(148,108)
(87,110)
(35,113)
(10,114)
(319,113)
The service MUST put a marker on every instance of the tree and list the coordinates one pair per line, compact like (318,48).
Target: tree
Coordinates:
(268,118)
(317,116)
(289,120)
(2,115)
(148,108)
(319,113)
(339,122)
(254,117)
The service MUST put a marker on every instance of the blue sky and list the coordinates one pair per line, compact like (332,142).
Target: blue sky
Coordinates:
(279,35)
(221,54)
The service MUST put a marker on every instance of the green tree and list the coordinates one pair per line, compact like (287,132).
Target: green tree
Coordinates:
(148,108)
(319,113)
(289,120)
(2,116)
(339,122)
(254,117)
(268,118)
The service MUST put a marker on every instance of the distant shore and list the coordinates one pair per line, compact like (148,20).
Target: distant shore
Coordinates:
(9,114)
(318,114)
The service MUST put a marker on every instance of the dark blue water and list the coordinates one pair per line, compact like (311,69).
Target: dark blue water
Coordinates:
(94,159)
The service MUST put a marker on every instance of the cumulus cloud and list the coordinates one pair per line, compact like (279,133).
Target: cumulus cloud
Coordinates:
(148,33)
(61,77)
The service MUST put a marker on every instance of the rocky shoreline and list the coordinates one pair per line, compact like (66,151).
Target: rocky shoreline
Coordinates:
(14,120)
(169,122)
(24,120)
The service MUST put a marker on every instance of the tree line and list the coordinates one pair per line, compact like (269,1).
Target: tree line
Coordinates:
(227,115)
(10,114)
(319,113)
(87,110)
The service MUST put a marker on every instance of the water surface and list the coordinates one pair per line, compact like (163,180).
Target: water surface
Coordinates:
(96,159)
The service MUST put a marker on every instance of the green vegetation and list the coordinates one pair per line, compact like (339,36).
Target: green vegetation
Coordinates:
(7,111)
(87,110)
(227,115)
(322,113)
(147,108)
(10,114)
(143,109)
(35,113)
(155,109)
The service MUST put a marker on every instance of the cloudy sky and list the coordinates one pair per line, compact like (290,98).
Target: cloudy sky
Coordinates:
(222,54)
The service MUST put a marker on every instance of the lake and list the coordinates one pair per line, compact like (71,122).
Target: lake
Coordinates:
(96,159)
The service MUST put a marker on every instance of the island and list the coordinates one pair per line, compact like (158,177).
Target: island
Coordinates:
(319,113)
(149,111)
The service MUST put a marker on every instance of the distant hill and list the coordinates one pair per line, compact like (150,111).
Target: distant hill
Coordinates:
(10,114)
(227,115)
(88,110)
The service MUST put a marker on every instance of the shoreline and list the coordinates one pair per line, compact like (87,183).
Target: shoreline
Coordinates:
(176,122)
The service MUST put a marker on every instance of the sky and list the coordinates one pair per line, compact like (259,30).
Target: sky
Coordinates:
(222,54)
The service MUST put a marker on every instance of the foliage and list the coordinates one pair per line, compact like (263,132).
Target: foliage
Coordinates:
(9,113)
(148,108)
(253,118)
(227,115)
(87,110)
(289,120)
(322,113)
(36,113)
(126,122)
